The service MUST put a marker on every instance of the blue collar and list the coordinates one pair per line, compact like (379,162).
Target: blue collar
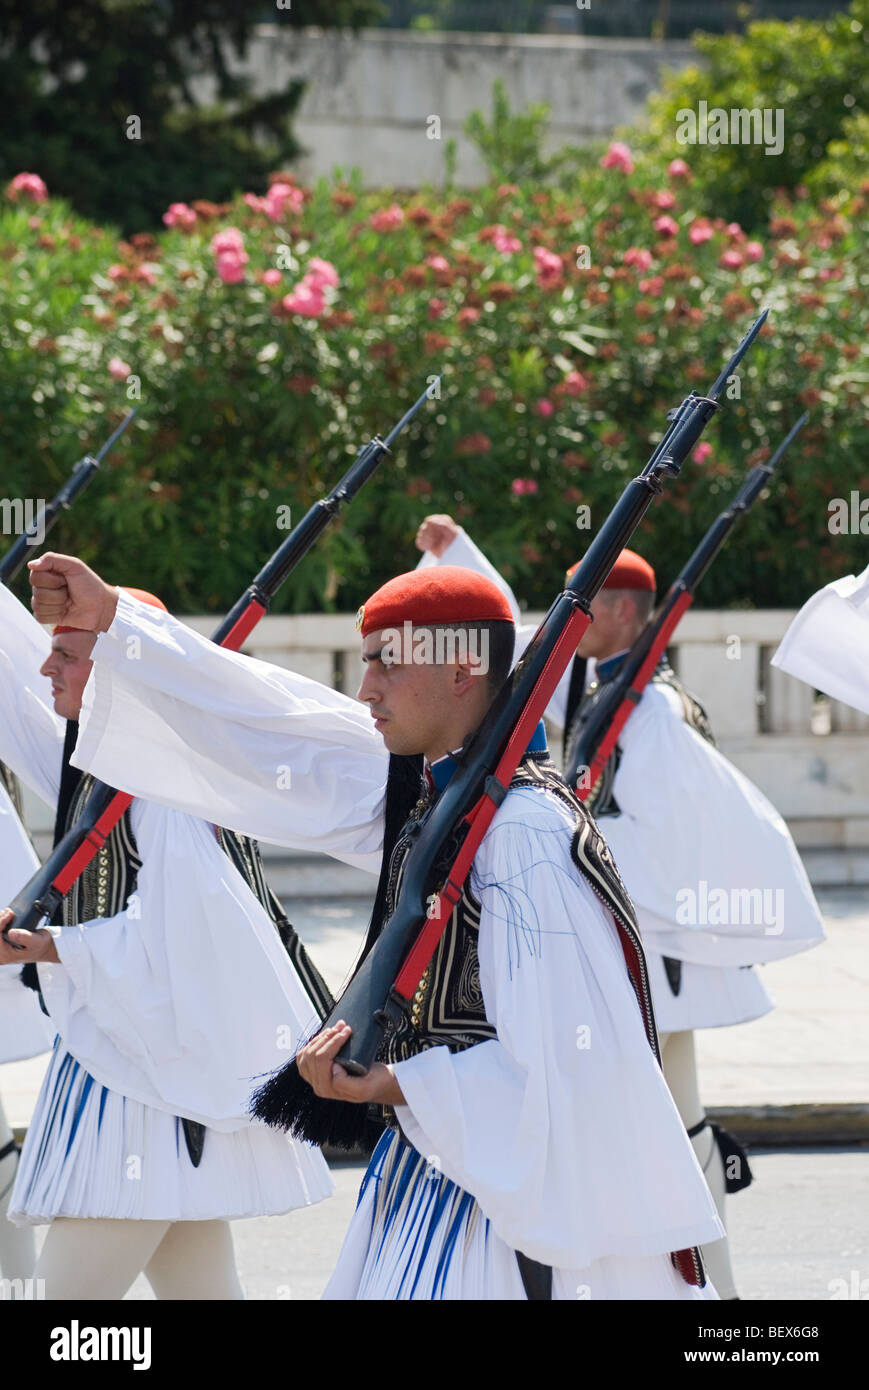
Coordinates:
(606,670)
(442,770)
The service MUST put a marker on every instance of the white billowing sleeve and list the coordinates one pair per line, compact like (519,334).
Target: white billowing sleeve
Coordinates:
(562,1128)
(462,551)
(709,863)
(31,734)
(465,553)
(185,998)
(169,716)
(827,644)
(24,1029)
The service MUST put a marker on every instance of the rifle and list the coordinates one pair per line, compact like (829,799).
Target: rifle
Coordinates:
(381,990)
(76,483)
(105,806)
(598,733)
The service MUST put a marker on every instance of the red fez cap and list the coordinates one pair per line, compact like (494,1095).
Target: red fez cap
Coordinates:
(439,594)
(630,571)
(141,594)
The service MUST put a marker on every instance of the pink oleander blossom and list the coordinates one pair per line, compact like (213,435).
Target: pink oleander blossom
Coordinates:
(467,315)
(505,242)
(230,266)
(652,286)
(618,156)
(180,215)
(549,267)
(436,308)
(387,219)
(702,452)
(700,231)
(665,226)
(678,169)
(753,251)
(731,260)
(664,199)
(281,199)
(272,277)
(439,263)
(574,384)
(119,369)
(30,185)
(545,408)
(523,487)
(230,239)
(306,299)
(321,273)
(639,257)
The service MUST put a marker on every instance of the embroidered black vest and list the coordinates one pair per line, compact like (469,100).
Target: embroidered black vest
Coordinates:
(448,1009)
(601,801)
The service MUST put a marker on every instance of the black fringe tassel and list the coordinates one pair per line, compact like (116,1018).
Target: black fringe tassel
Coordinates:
(287,1102)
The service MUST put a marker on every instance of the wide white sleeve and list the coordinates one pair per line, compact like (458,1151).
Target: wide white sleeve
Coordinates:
(691,825)
(827,644)
(31,734)
(562,1128)
(169,716)
(465,553)
(187,996)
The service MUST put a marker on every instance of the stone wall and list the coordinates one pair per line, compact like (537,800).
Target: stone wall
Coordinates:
(369,98)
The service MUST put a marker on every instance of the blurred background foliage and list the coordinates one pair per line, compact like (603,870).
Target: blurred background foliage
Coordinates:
(557,372)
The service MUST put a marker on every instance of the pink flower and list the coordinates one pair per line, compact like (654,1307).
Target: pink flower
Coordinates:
(306,299)
(145,273)
(506,190)
(702,452)
(731,260)
(230,266)
(545,408)
(179,215)
(636,255)
(119,369)
(505,242)
(700,230)
(653,286)
(665,226)
(279,198)
(734,231)
(116,272)
(467,315)
(753,251)
(272,277)
(574,384)
(387,219)
(254,201)
(522,486)
(228,240)
(678,169)
(31,185)
(436,308)
(548,267)
(665,199)
(321,273)
(437,262)
(618,156)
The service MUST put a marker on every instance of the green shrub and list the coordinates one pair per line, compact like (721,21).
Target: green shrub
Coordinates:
(246,407)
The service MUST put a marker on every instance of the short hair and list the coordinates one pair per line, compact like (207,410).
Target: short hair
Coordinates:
(496,637)
(642,599)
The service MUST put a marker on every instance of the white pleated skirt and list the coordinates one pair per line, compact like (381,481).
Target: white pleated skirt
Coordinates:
(710,996)
(24,1029)
(90,1152)
(416,1235)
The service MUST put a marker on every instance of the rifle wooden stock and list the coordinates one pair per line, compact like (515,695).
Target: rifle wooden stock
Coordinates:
(105,806)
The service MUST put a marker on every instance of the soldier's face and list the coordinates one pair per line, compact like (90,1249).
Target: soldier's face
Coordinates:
(68,666)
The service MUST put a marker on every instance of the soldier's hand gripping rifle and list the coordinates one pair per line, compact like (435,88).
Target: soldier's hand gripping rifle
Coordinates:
(105,806)
(75,484)
(598,732)
(381,990)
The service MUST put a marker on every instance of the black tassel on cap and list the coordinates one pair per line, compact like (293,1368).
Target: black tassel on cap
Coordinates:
(286,1101)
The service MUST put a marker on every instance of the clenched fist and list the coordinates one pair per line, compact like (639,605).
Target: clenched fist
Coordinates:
(66,592)
(436,533)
